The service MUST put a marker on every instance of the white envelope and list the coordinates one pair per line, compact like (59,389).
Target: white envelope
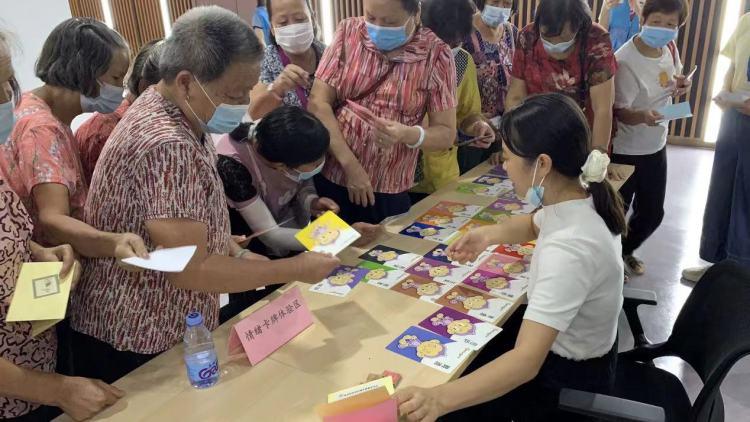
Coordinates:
(173,260)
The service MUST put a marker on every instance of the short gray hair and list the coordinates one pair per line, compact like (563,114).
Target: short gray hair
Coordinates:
(205,41)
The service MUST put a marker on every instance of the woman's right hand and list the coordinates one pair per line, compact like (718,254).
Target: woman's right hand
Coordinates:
(313,267)
(468,247)
(290,78)
(359,185)
(128,245)
(83,398)
(652,118)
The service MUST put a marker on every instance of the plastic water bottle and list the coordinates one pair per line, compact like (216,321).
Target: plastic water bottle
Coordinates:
(200,354)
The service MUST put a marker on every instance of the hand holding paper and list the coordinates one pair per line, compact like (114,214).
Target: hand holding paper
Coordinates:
(328,234)
(172,260)
(675,112)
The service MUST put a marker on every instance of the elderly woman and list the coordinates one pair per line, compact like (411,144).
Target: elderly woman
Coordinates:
(93,134)
(82,65)
(158,177)
(29,388)
(387,63)
(290,60)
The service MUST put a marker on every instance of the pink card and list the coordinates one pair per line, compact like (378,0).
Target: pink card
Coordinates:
(386,411)
(265,330)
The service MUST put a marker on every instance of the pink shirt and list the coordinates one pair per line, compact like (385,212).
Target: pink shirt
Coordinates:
(41,149)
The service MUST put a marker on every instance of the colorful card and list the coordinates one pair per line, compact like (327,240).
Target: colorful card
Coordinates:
(459,327)
(438,254)
(473,224)
(430,349)
(442,220)
(475,303)
(497,285)
(421,288)
(505,266)
(456,208)
(439,271)
(493,216)
(484,190)
(327,234)
(509,205)
(340,282)
(498,171)
(380,275)
(391,257)
(386,382)
(492,180)
(523,251)
(427,232)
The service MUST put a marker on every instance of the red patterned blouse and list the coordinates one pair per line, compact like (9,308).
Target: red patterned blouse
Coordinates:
(152,167)
(93,134)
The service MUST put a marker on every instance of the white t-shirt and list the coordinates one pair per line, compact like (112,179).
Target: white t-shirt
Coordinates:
(641,84)
(575,279)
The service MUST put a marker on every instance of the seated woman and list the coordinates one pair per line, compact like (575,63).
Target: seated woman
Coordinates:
(568,334)
(29,388)
(291,58)
(93,134)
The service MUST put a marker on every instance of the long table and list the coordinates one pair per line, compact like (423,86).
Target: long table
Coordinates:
(345,344)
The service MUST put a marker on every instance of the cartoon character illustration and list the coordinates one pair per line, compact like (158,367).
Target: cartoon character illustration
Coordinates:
(498,283)
(323,235)
(377,274)
(514,268)
(436,220)
(664,80)
(459,327)
(428,231)
(491,180)
(437,271)
(479,190)
(425,349)
(496,218)
(469,302)
(455,208)
(524,250)
(439,253)
(383,256)
(494,263)
(341,278)
(427,289)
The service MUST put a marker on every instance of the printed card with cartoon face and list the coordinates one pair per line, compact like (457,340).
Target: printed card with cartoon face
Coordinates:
(455,208)
(439,271)
(390,257)
(442,220)
(475,303)
(430,349)
(327,234)
(492,180)
(380,275)
(498,171)
(484,190)
(340,282)
(507,205)
(523,251)
(493,216)
(505,265)
(460,327)
(497,285)
(438,254)
(433,233)
(421,288)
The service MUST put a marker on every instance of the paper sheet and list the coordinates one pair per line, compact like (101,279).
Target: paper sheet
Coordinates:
(675,112)
(40,296)
(172,260)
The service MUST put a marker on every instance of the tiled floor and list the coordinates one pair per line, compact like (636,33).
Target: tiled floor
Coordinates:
(674,246)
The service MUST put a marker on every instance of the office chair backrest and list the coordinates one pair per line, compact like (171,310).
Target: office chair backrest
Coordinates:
(712,332)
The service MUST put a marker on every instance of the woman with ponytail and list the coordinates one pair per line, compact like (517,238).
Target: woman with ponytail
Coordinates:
(566,336)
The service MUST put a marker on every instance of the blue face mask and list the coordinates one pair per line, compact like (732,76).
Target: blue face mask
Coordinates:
(7,121)
(110,97)
(552,48)
(302,176)
(495,16)
(226,117)
(535,194)
(387,38)
(656,37)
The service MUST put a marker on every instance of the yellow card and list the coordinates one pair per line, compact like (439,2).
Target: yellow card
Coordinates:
(360,401)
(40,295)
(386,382)
(328,234)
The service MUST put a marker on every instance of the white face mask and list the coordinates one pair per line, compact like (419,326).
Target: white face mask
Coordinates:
(560,48)
(110,97)
(295,38)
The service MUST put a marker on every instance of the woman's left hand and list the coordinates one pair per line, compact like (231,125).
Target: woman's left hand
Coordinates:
(419,404)
(62,253)
(389,133)
(368,233)
(320,205)
(683,85)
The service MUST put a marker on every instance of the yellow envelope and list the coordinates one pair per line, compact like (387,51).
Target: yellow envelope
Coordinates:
(40,296)
(386,382)
(327,234)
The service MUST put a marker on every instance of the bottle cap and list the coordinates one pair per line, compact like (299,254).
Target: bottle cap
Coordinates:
(193,319)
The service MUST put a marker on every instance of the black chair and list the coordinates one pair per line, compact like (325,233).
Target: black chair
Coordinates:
(711,333)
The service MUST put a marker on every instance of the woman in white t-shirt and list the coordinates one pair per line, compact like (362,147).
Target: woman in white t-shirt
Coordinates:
(568,334)
(648,76)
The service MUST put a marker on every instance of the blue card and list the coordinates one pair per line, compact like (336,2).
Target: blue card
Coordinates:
(341,281)
(675,112)
(430,349)
(433,233)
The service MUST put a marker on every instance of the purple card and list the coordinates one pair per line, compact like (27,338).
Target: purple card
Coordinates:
(491,180)
(505,266)
(430,349)
(341,281)
(439,271)
(508,205)
(459,327)
(497,285)
(498,171)
(427,232)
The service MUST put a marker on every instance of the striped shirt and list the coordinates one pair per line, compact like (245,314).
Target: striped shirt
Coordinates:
(152,167)
(423,80)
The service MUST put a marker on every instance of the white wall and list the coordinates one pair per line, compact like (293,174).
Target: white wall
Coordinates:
(30,22)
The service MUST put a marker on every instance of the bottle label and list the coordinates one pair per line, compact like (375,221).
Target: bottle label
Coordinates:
(203,372)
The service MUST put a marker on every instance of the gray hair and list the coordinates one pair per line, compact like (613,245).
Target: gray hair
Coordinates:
(205,41)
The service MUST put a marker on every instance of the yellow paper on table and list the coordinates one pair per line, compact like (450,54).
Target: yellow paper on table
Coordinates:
(386,382)
(353,403)
(40,296)
(328,234)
